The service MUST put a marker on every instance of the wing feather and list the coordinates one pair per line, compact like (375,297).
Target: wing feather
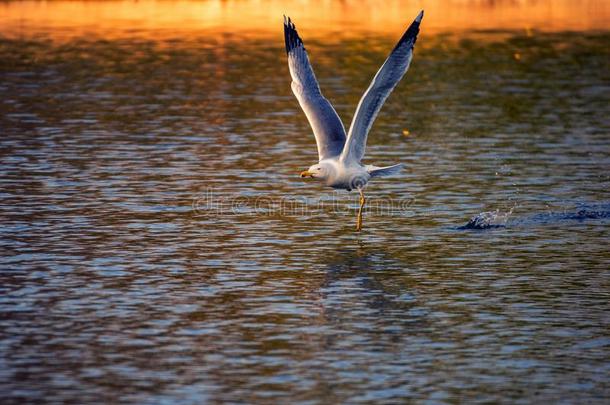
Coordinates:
(386,79)
(323,119)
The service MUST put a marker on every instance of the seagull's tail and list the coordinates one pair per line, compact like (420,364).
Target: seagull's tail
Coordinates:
(375,171)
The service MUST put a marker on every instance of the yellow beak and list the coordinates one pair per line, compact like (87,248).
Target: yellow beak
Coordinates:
(306,173)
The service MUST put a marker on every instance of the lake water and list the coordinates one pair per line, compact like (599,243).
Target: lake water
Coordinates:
(158,246)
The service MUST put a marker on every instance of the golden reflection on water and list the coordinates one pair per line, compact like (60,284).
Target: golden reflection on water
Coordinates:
(260,18)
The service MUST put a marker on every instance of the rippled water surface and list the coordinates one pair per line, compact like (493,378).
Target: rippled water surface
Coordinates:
(158,246)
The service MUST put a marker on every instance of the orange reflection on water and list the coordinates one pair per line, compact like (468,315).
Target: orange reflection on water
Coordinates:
(319,17)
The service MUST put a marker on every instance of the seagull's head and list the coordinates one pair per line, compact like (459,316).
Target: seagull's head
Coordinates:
(317,171)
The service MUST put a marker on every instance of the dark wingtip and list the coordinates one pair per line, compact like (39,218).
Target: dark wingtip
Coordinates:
(291,37)
(286,35)
(410,35)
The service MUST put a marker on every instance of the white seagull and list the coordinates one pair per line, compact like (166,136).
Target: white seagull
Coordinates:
(340,157)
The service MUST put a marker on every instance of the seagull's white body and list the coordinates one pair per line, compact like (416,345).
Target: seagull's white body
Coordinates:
(339,175)
(340,156)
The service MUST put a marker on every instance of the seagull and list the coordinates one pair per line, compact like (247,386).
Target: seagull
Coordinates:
(340,156)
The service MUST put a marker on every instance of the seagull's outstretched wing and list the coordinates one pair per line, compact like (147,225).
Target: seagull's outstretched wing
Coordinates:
(325,123)
(383,83)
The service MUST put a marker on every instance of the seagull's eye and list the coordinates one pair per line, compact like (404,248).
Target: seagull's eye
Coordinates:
(319,168)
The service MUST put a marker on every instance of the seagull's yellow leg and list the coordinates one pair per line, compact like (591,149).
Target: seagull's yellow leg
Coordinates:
(359,220)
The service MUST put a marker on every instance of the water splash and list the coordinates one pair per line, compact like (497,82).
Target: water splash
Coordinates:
(488,220)
(497,219)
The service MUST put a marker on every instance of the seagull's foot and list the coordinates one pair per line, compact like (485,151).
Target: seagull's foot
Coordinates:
(359,219)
